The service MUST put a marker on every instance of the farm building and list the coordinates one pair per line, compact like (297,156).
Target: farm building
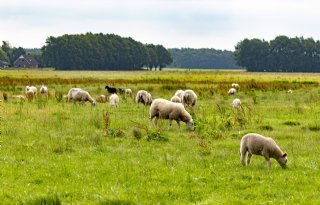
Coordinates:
(26,61)
(4,64)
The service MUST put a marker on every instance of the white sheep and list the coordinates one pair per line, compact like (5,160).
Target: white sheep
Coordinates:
(128,92)
(289,91)
(19,97)
(101,98)
(77,94)
(165,109)
(236,103)
(143,97)
(189,98)
(235,85)
(114,100)
(232,91)
(44,91)
(33,88)
(259,145)
(176,99)
(179,93)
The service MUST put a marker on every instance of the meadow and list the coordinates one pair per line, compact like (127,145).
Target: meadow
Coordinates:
(54,152)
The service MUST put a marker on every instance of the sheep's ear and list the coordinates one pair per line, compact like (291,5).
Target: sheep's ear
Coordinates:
(284,155)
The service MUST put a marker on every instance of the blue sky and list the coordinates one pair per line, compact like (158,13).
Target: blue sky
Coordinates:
(216,24)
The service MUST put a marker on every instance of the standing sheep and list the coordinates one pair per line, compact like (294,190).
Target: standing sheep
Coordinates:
(165,109)
(114,100)
(44,91)
(236,103)
(143,97)
(289,91)
(176,99)
(128,92)
(189,98)
(259,145)
(111,90)
(77,94)
(33,88)
(232,91)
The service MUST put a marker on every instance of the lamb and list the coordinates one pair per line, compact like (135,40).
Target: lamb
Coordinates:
(101,98)
(33,88)
(235,85)
(111,90)
(44,91)
(128,92)
(143,97)
(236,103)
(189,98)
(257,144)
(165,109)
(179,93)
(114,100)
(176,99)
(289,91)
(232,91)
(77,94)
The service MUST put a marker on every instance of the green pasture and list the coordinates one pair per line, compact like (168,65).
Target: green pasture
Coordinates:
(54,152)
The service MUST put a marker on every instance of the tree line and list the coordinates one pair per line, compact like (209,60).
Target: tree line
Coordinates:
(205,58)
(282,54)
(10,54)
(102,52)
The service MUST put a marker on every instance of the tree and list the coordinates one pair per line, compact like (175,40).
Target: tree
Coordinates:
(3,56)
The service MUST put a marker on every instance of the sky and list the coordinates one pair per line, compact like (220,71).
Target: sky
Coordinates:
(218,24)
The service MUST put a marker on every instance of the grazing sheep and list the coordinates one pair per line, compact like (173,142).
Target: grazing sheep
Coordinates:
(289,91)
(33,88)
(19,97)
(232,91)
(30,95)
(76,94)
(111,90)
(179,93)
(114,100)
(176,99)
(143,97)
(101,98)
(236,103)
(235,85)
(259,145)
(189,98)
(165,109)
(128,92)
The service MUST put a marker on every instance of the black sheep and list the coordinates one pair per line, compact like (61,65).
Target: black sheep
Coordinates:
(111,90)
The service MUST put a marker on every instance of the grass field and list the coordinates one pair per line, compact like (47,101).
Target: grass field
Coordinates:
(55,152)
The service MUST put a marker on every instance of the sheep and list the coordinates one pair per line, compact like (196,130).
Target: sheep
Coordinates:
(111,90)
(232,91)
(33,88)
(44,90)
(179,93)
(165,109)
(259,145)
(143,97)
(5,96)
(189,98)
(289,91)
(77,94)
(235,85)
(101,98)
(236,103)
(114,100)
(30,95)
(19,97)
(176,99)
(128,92)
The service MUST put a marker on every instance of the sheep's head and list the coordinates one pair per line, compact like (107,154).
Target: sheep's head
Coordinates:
(283,160)
(190,125)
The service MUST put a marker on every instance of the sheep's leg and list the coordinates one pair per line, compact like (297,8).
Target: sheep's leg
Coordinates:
(243,158)
(268,161)
(170,123)
(249,158)
(178,122)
